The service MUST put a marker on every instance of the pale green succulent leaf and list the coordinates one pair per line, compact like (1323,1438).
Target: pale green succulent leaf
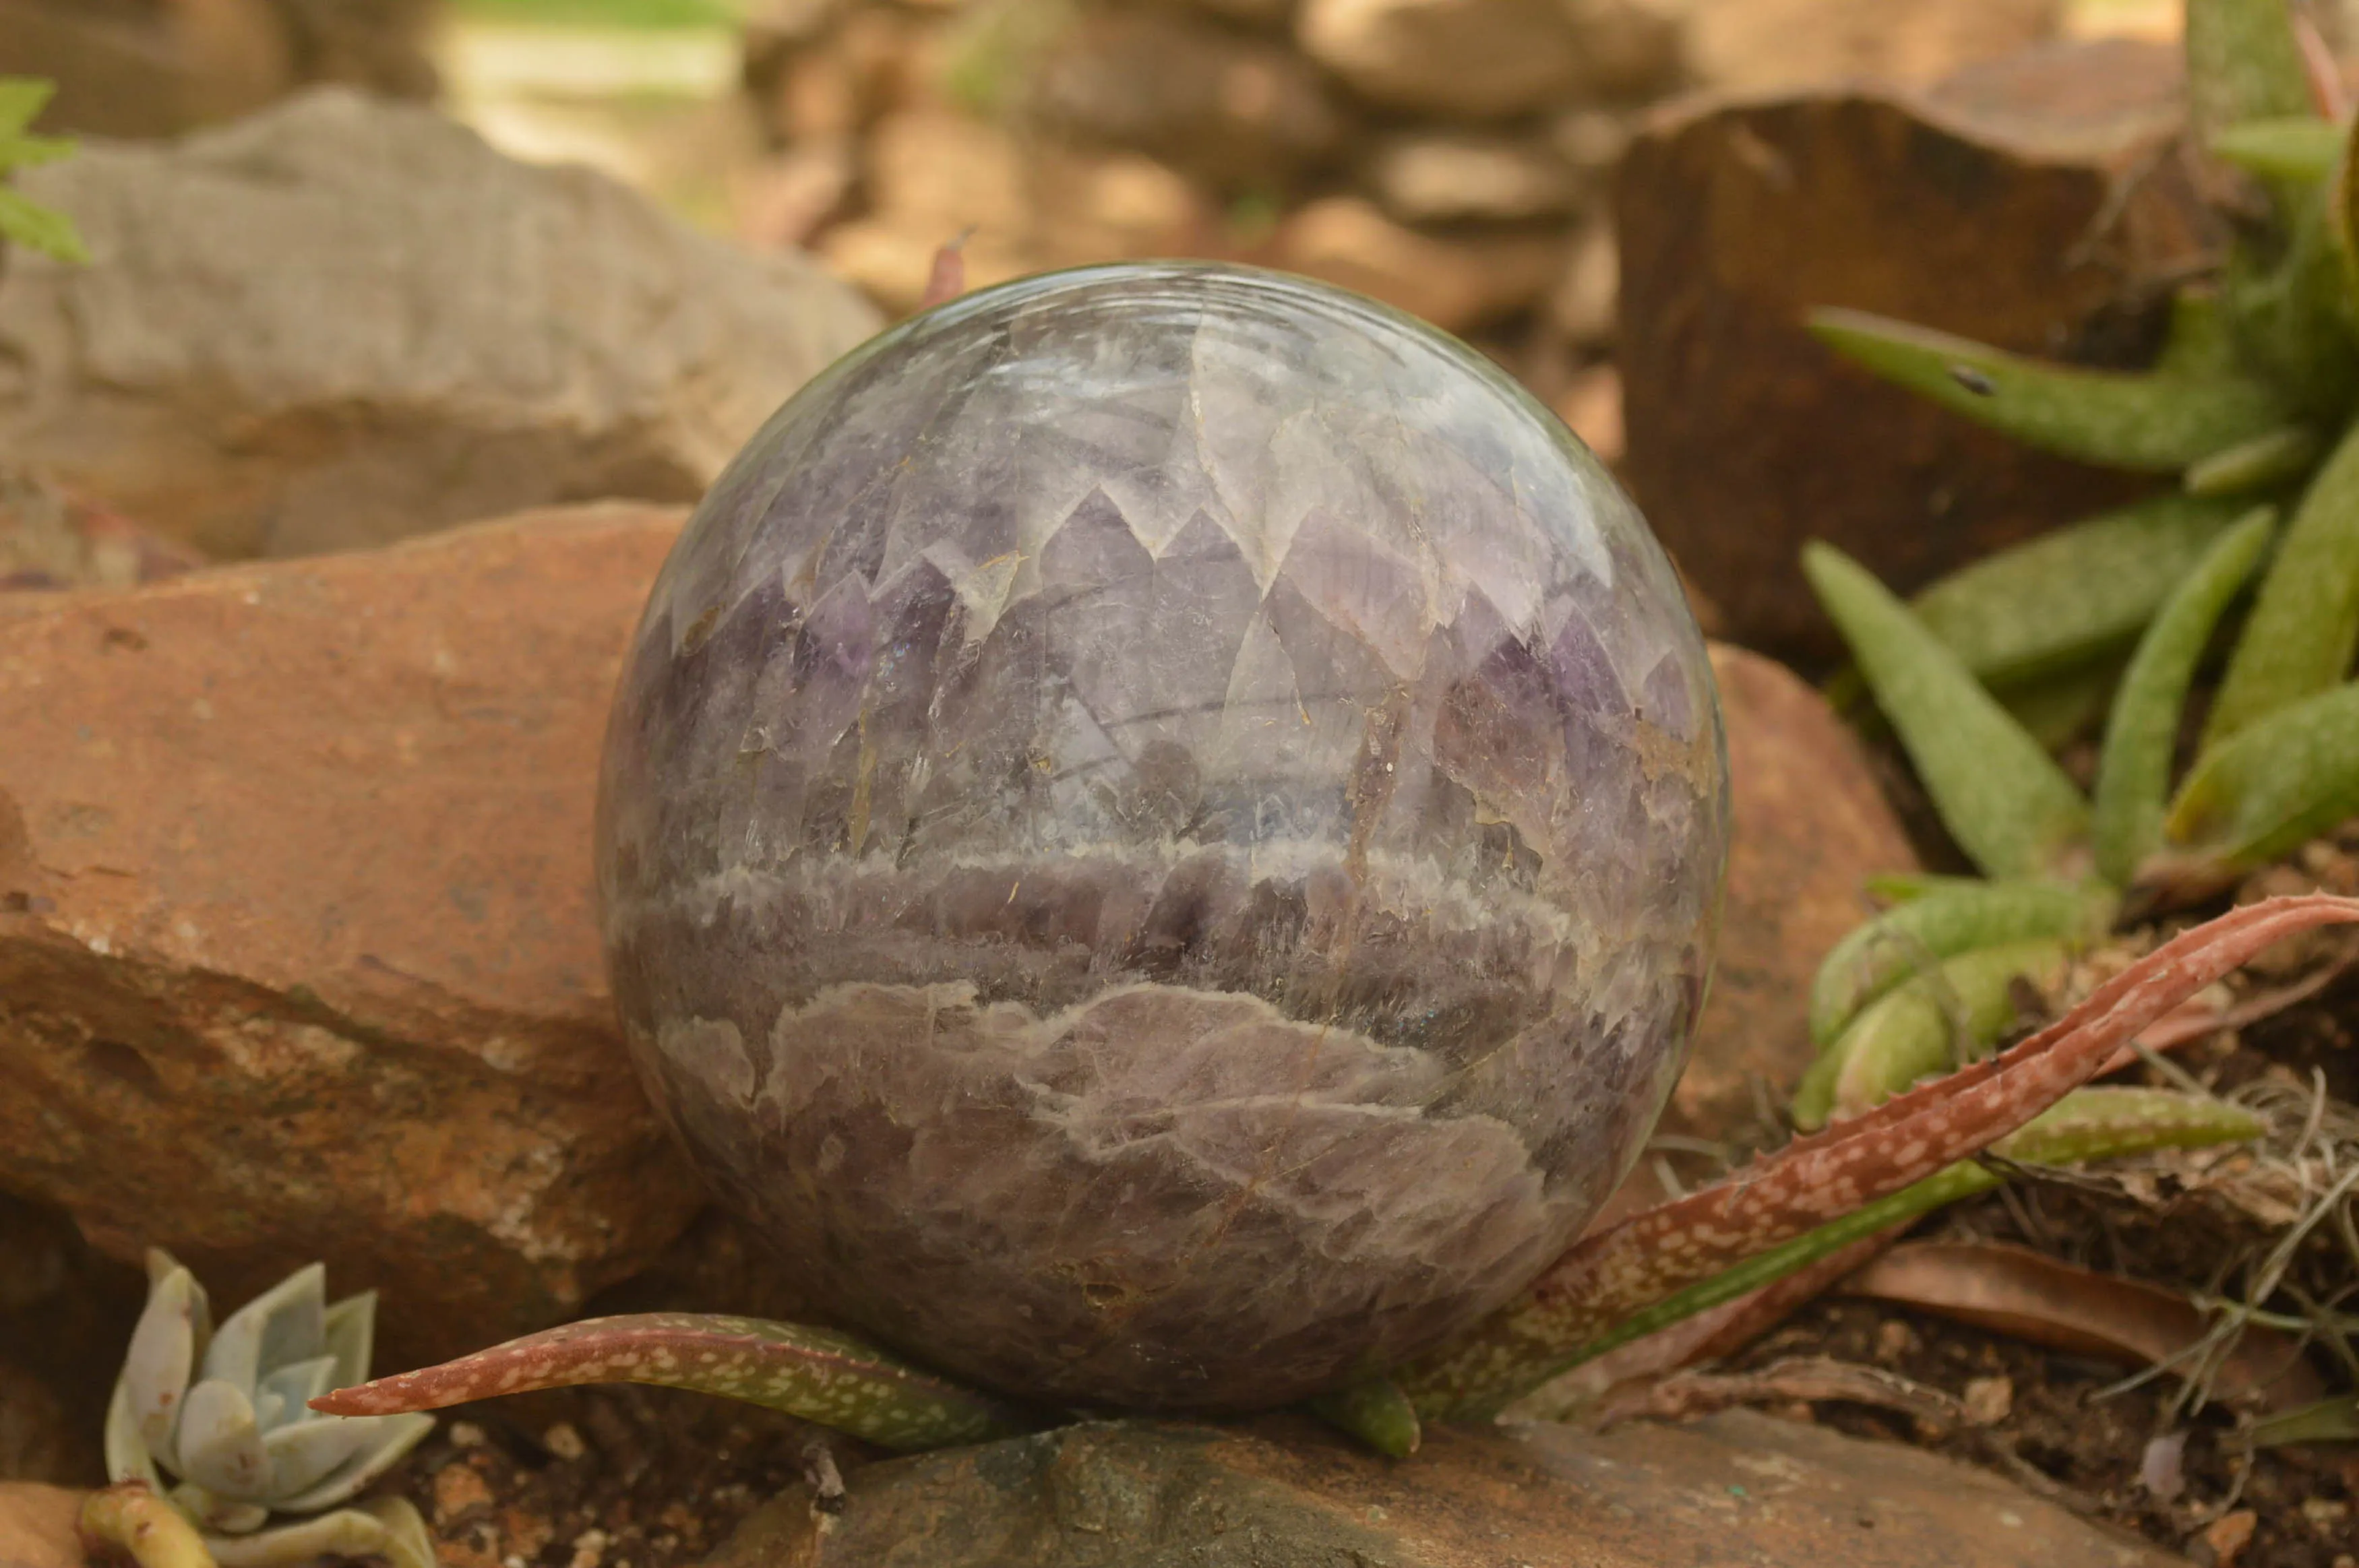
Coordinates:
(285,1324)
(220,1443)
(167,1344)
(287,1393)
(210,1511)
(127,1458)
(392,1436)
(390,1528)
(302,1454)
(2152,421)
(350,1330)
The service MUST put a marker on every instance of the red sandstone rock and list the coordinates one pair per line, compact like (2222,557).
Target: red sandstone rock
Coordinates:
(297,957)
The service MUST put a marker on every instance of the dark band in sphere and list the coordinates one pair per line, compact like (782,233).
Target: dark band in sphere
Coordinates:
(1160,836)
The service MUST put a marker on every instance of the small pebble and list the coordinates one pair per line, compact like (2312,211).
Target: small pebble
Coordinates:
(563,1441)
(466,1434)
(2225,1539)
(1894,1341)
(1989,1400)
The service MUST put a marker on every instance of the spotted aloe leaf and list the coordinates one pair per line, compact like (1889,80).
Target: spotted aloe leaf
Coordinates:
(2304,625)
(2157,422)
(2134,766)
(2004,800)
(1616,1274)
(816,1374)
(2087,1124)
(1942,922)
(1950,1013)
(2073,595)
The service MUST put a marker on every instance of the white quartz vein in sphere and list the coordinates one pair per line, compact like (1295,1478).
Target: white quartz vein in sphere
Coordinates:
(1161,835)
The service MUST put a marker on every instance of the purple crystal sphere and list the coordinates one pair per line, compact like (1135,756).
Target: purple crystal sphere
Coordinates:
(1161,835)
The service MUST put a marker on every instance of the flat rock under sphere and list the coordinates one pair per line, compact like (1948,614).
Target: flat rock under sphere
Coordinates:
(1160,835)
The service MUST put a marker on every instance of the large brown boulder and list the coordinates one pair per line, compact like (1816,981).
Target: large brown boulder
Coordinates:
(346,320)
(297,955)
(1281,1493)
(2039,204)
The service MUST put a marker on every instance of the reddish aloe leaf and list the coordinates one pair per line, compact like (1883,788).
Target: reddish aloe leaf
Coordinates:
(1614,1273)
(2032,1296)
(830,1379)
(1710,1335)
(947,281)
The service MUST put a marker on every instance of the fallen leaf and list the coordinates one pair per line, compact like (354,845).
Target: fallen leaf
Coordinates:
(2014,1291)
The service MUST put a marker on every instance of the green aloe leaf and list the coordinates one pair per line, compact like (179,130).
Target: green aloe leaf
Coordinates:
(1627,1268)
(816,1374)
(1944,923)
(2299,638)
(2133,789)
(1934,1021)
(2273,786)
(2244,63)
(2070,596)
(2001,797)
(2329,1421)
(2263,462)
(2296,150)
(2288,303)
(1375,1411)
(2088,1124)
(2154,421)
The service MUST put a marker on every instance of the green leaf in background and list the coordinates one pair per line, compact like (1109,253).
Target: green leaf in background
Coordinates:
(1935,1021)
(1375,1411)
(2304,625)
(2133,768)
(2264,462)
(2001,797)
(22,99)
(26,222)
(2071,595)
(2299,150)
(2289,305)
(2244,63)
(1940,924)
(2278,783)
(2156,421)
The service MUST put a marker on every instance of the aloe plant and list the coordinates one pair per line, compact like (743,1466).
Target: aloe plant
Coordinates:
(1779,1214)
(226,1411)
(2252,405)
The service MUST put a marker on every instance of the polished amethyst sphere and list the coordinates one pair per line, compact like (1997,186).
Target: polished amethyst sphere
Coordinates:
(1161,837)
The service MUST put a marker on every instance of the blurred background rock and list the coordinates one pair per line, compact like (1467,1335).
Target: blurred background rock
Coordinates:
(1453,156)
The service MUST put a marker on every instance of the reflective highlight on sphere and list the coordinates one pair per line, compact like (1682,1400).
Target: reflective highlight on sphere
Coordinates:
(1160,836)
